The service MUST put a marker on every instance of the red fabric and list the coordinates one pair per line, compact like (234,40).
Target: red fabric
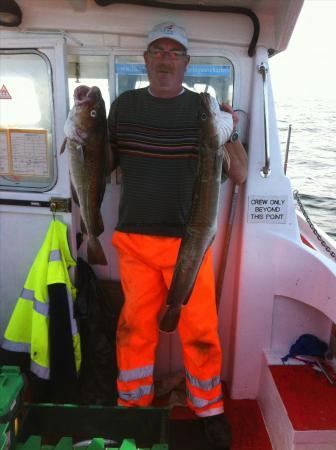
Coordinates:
(304,240)
(309,398)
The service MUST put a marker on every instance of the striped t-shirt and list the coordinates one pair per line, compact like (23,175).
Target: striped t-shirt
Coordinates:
(156,144)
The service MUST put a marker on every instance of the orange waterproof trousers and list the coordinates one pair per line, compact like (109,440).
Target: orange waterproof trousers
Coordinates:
(146,269)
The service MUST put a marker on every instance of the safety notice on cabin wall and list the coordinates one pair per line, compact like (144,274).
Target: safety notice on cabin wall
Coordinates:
(267,209)
(4,94)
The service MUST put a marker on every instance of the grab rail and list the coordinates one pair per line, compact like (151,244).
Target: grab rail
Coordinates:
(55,204)
(266,169)
(287,147)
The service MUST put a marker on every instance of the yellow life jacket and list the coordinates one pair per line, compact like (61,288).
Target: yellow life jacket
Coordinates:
(27,330)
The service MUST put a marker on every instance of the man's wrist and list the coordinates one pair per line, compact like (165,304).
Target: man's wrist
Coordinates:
(234,137)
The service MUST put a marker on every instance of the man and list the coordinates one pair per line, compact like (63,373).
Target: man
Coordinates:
(154,138)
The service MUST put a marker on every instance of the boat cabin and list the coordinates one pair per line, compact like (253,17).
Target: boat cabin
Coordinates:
(274,280)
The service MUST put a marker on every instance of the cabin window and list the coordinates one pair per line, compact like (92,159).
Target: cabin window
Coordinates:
(26,122)
(91,70)
(213,74)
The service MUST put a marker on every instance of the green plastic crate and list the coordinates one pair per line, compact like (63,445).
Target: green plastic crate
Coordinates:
(131,428)
(47,426)
(3,436)
(34,443)
(11,385)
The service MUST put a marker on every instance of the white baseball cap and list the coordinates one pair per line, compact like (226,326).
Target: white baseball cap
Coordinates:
(170,31)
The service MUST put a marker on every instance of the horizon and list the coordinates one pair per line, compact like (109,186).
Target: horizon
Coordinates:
(307,68)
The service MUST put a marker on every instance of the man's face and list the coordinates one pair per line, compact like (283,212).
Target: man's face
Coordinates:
(166,70)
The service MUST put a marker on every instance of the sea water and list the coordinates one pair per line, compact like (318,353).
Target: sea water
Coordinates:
(312,155)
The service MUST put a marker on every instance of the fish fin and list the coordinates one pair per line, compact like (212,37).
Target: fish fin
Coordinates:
(102,190)
(99,224)
(82,225)
(95,252)
(74,194)
(63,146)
(170,320)
(186,299)
(79,240)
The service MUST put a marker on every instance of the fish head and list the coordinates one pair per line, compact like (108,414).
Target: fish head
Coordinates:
(87,115)
(209,121)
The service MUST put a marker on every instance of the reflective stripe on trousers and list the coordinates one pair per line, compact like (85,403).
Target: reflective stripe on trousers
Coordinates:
(204,396)
(146,269)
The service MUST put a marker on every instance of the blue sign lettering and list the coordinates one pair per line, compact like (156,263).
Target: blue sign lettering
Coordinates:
(193,70)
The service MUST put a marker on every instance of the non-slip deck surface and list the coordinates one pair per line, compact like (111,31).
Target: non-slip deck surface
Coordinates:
(247,425)
(309,398)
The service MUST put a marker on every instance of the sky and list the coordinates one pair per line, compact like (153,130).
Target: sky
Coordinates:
(307,68)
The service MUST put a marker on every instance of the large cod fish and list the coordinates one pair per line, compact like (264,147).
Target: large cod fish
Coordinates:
(87,144)
(202,224)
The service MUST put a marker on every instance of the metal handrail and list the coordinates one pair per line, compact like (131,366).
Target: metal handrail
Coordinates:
(266,169)
(287,147)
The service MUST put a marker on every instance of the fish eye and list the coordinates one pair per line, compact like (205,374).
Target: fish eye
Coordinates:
(93,113)
(204,116)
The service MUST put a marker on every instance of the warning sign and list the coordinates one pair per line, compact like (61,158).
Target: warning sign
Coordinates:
(4,94)
(267,209)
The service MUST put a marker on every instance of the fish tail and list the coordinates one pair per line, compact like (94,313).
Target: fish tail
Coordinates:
(170,320)
(95,252)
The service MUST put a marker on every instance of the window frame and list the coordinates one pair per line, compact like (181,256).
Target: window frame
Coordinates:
(52,156)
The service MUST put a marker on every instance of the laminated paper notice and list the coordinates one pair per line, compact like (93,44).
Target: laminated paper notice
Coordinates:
(4,153)
(24,153)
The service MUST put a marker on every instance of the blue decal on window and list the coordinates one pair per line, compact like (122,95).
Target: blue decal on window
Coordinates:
(207,70)
(193,70)
(131,69)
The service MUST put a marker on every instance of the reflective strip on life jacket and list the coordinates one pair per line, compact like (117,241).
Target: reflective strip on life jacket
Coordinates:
(15,346)
(40,371)
(37,369)
(136,374)
(43,308)
(40,307)
(205,385)
(136,394)
(55,255)
(73,323)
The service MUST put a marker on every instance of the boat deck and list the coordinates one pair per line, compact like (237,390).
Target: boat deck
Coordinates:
(248,428)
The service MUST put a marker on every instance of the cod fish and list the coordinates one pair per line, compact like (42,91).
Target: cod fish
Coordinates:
(87,144)
(202,223)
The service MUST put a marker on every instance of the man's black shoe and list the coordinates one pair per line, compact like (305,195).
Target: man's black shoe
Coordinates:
(218,432)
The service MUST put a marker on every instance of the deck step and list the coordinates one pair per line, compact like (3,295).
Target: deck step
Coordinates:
(299,407)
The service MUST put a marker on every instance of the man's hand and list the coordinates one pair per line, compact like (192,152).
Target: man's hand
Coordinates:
(237,169)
